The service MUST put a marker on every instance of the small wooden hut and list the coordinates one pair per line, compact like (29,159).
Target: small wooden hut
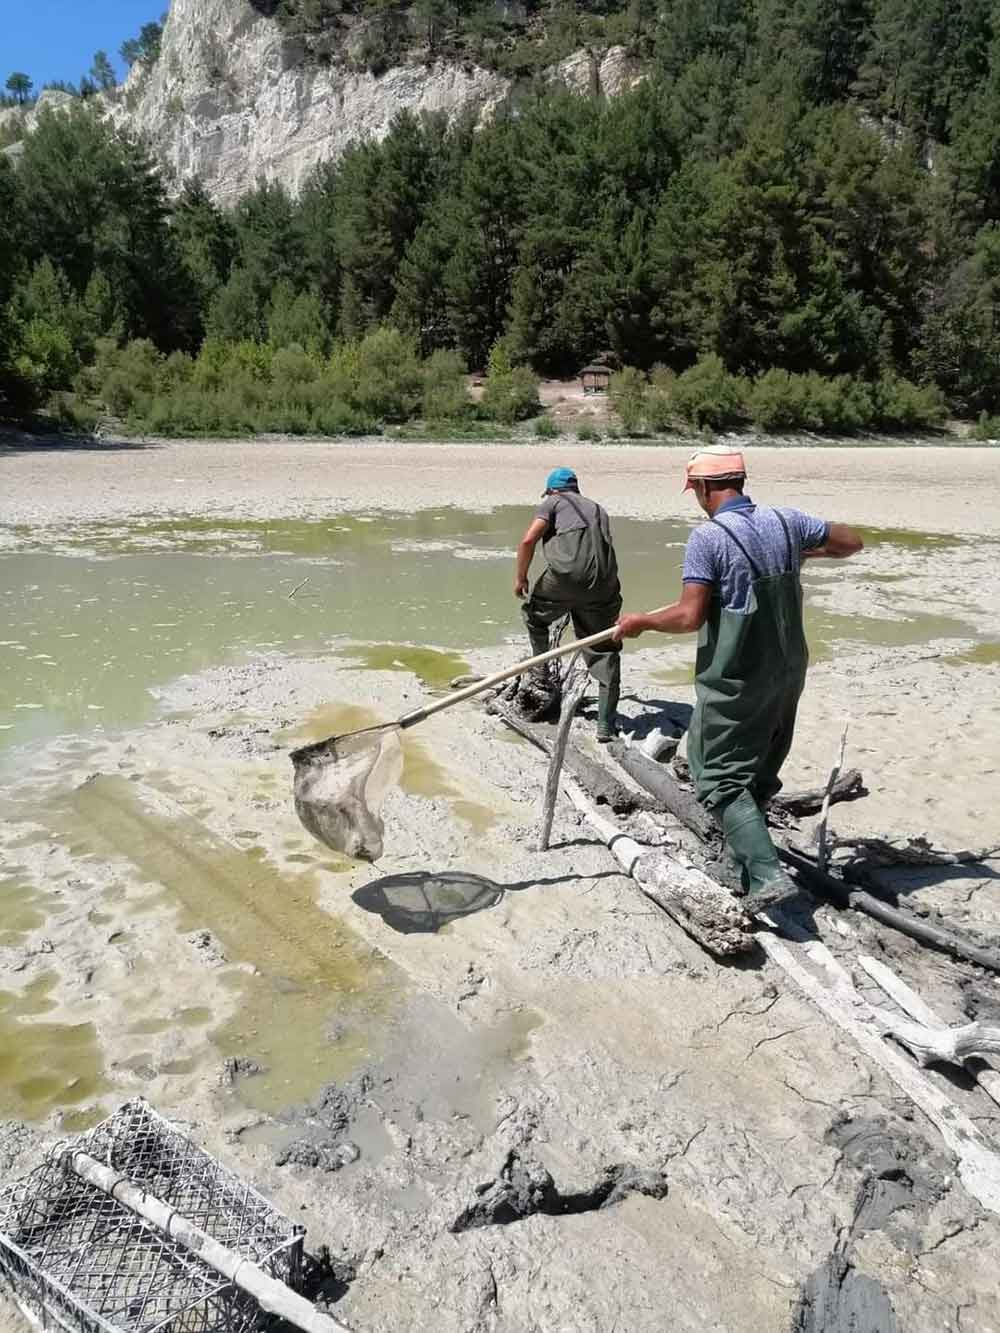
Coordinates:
(595,378)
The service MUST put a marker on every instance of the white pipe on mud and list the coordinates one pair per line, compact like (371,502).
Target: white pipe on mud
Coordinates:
(273,1296)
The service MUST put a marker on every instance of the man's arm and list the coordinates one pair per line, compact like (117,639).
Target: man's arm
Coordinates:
(841,542)
(535,532)
(683,617)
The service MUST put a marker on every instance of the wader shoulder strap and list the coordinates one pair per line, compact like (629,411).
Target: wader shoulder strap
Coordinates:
(754,570)
(788,539)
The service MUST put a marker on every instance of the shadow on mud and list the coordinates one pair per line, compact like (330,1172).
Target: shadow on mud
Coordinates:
(421,902)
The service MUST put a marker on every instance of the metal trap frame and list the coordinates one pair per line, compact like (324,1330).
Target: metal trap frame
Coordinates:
(77,1260)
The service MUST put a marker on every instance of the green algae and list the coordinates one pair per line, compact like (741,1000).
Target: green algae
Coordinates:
(44,1066)
(434,668)
(308,967)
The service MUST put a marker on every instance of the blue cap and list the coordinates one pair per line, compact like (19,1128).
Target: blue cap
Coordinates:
(562,479)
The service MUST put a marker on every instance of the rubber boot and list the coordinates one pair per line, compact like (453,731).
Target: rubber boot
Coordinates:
(607,703)
(749,844)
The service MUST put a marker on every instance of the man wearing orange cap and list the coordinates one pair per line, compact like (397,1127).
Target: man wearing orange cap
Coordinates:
(742,592)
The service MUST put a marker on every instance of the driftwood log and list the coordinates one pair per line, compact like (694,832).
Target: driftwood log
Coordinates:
(917,851)
(595,778)
(836,996)
(929,1039)
(660,782)
(702,908)
(273,1296)
(849,786)
(938,937)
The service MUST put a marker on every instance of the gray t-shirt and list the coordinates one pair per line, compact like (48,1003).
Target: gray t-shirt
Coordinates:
(564,514)
(713,558)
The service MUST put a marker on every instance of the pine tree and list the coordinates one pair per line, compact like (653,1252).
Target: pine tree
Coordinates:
(102,72)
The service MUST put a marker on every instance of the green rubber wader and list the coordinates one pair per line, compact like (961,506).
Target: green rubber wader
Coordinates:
(750,673)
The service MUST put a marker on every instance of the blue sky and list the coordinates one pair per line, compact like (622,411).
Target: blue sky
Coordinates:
(56,39)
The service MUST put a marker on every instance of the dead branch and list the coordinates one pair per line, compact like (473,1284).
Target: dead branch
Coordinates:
(848,787)
(950,1045)
(978,1163)
(821,851)
(574,688)
(297,587)
(916,851)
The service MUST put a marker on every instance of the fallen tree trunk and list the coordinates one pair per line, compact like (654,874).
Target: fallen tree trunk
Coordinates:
(595,778)
(703,909)
(938,937)
(659,781)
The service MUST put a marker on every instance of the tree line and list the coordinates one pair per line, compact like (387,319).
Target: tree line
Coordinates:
(794,219)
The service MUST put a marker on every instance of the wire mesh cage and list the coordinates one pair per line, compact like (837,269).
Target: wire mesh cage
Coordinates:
(76,1259)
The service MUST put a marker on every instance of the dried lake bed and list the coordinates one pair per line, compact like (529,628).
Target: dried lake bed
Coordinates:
(176,617)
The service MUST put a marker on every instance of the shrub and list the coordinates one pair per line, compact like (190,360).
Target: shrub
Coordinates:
(627,395)
(660,399)
(510,393)
(900,403)
(445,395)
(388,378)
(546,428)
(293,365)
(70,414)
(130,378)
(708,395)
(986,428)
(338,418)
(45,358)
(176,371)
(588,433)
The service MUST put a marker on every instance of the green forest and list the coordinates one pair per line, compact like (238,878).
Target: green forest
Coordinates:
(792,222)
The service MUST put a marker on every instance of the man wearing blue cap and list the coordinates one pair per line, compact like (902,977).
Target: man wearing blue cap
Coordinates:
(581,579)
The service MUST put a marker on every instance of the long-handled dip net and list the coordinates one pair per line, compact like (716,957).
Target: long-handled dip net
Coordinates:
(341,783)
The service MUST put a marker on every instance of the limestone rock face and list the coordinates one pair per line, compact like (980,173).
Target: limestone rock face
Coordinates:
(232,99)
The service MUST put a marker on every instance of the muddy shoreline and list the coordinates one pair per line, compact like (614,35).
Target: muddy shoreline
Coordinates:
(934,488)
(536,1106)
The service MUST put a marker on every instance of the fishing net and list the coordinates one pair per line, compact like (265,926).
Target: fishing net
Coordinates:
(340,785)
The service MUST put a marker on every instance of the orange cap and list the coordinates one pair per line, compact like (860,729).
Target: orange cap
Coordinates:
(716,462)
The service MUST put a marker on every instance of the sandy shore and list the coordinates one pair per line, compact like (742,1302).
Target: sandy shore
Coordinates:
(557,1028)
(931,489)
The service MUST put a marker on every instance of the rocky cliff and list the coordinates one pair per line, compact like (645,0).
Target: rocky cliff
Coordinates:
(232,99)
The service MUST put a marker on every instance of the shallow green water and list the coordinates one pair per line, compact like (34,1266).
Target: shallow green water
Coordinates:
(96,617)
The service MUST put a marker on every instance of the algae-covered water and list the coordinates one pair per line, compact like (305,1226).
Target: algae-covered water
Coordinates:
(96,617)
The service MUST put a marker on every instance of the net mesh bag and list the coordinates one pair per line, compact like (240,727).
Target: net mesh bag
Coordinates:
(340,785)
